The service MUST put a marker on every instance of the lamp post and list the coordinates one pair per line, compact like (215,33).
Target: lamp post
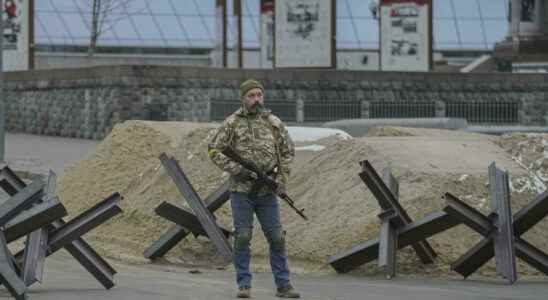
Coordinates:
(2,106)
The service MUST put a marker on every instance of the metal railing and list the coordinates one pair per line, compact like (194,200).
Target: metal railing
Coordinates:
(475,112)
(402,109)
(484,112)
(286,110)
(324,111)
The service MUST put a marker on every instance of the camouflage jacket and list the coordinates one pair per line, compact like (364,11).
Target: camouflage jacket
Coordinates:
(260,138)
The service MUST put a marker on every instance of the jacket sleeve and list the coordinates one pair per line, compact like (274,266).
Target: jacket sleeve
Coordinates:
(287,153)
(223,138)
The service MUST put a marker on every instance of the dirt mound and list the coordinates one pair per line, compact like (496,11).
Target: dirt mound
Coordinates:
(388,131)
(342,211)
(127,162)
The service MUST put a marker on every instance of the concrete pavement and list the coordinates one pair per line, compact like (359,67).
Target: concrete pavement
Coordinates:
(65,279)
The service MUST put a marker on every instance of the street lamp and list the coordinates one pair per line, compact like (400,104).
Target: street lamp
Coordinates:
(2,106)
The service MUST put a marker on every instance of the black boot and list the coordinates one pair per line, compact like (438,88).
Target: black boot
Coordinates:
(244,292)
(287,292)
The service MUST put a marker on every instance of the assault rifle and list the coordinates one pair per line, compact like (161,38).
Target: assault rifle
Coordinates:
(261,176)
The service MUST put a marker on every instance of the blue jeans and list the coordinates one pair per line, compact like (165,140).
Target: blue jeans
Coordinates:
(267,210)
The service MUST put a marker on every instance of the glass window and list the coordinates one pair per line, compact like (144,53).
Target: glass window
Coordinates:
(495,31)
(345,32)
(472,33)
(442,9)
(445,32)
(466,8)
(494,8)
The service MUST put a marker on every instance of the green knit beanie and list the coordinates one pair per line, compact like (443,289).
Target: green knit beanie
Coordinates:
(248,85)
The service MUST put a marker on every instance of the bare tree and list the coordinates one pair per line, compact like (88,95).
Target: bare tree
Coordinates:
(104,16)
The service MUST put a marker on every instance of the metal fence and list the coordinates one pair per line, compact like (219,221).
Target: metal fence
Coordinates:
(286,110)
(402,109)
(484,112)
(324,111)
(475,112)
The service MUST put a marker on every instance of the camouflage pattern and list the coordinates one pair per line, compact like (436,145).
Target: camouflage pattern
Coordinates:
(257,137)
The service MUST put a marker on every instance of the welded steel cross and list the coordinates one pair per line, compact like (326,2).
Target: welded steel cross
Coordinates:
(185,222)
(397,228)
(47,232)
(502,232)
(206,224)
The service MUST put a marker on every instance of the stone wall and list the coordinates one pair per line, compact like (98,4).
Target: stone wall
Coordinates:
(87,102)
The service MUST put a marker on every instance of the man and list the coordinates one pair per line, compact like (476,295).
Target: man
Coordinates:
(260,137)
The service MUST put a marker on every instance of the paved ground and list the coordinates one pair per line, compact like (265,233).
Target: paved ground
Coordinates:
(65,279)
(38,154)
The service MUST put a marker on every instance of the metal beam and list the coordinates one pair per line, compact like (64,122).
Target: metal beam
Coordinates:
(85,222)
(166,242)
(8,276)
(176,233)
(474,258)
(34,256)
(531,214)
(430,225)
(184,218)
(92,262)
(21,201)
(86,256)
(387,201)
(202,213)
(505,258)
(388,245)
(388,235)
(34,218)
(9,181)
(532,255)
(467,215)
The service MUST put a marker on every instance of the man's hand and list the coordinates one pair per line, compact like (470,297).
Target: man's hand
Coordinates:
(245,174)
(280,189)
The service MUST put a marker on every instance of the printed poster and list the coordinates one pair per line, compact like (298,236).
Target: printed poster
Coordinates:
(405,35)
(15,16)
(304,33)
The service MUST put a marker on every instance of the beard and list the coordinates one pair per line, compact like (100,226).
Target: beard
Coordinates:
(256,108)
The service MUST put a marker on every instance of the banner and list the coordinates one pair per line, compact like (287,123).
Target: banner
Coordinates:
(304,32)
(15,15)
(267,33)
(406,39)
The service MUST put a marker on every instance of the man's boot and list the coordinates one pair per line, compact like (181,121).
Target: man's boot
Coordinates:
(287,292)
(244,292)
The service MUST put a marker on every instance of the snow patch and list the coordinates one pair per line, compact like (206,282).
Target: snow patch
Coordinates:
(310,134)
(314,148)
